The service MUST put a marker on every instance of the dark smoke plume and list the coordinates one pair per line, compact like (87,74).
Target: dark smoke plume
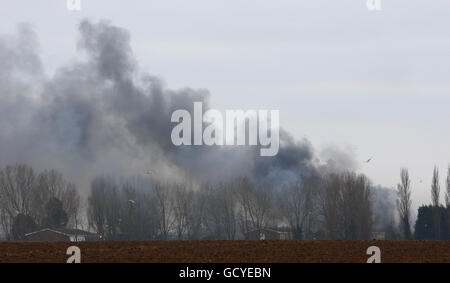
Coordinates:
(102,115)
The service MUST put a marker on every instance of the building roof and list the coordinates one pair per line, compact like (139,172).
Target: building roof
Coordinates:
(267,229)
(64,231)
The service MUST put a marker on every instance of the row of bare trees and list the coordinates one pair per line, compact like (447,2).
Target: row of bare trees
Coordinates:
(27,199)
(347,207)
(332,206)
(320,206)
(404,206)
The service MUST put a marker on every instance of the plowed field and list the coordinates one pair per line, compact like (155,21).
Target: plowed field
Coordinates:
(228,251)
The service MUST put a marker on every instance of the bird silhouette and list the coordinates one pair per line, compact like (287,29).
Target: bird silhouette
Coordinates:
(368,160)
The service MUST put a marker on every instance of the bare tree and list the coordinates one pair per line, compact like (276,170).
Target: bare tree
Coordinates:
(435,193)
(357,206)
(51,184)
(71,204)
(180,210)
(122,212)
(404,203)
(16,187)
(243,192)
(295,203)
(435,187)
(221,211)
(447,196)
(97,205)
(164,204)
(113,211)
(447,192)
(137,219)
(256,205)
(16,191)
(331,203)
(227,208)
(345,202)
(22,192)
(195,214)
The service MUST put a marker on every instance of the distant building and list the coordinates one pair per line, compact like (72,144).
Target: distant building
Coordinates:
(61,235)
(378,236)
(267,234)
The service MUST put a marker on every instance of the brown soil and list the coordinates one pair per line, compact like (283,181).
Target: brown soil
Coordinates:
(228,251)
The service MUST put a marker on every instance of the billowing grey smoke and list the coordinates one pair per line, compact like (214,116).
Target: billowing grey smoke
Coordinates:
(384,207)
(103,116)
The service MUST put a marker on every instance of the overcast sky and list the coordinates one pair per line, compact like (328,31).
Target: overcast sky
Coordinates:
(374,83)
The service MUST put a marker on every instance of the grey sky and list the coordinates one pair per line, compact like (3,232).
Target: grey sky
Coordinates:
(375,83)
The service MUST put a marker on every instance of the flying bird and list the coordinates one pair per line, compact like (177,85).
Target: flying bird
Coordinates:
(149,173)
(131,201)
(368,160)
